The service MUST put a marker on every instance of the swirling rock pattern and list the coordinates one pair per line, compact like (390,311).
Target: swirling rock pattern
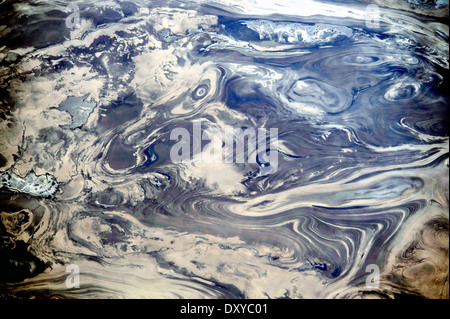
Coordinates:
(86,177)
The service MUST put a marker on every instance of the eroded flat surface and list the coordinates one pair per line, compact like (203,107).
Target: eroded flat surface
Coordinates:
(87,111)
